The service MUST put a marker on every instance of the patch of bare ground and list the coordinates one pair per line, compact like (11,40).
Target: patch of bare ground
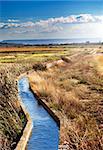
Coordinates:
(73,89)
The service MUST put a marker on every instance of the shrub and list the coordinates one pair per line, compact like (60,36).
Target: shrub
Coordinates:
(40,67)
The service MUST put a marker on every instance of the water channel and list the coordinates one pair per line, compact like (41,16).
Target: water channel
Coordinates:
(45,132)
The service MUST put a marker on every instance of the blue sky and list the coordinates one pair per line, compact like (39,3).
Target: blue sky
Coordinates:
(51,19)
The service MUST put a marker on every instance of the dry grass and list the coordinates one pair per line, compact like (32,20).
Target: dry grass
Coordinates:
(12,118)
(74,91)
(99,62)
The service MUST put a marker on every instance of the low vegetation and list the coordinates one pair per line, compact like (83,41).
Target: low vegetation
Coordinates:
(74,90)
(68,79)
(12,117)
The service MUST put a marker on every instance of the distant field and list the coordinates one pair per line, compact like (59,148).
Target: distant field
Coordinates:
(30,54)
(31,57)
(28,49)
(49,48)
(33,54)
(43,53)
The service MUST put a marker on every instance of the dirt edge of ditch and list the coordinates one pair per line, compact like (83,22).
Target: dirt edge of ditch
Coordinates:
(21,145)
(27,131)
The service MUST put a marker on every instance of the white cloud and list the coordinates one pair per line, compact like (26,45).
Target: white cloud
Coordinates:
(50,29)
(9,25)
(74,26)
(82,18)
(27,24)
(2,25)
(13,20)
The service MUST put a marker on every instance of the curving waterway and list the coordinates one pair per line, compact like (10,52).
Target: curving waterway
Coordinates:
(45,132)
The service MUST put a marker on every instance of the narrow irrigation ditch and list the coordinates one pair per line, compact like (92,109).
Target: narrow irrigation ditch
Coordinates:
(45,124)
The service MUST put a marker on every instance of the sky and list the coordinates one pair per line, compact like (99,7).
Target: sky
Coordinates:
(51,19)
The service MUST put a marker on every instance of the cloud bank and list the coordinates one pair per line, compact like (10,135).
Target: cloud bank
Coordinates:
(73,26)
(52,23)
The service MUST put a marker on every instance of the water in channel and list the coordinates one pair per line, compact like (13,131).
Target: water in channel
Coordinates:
(45,132)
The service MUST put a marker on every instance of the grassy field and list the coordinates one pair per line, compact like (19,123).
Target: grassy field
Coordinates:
(30,57)
(69,79)
(73,88)
(42,54)
(30,54)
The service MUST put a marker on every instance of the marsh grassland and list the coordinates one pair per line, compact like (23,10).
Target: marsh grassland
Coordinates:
(68,78)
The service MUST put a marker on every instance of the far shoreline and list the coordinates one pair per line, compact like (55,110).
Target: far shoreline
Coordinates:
(5,44)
